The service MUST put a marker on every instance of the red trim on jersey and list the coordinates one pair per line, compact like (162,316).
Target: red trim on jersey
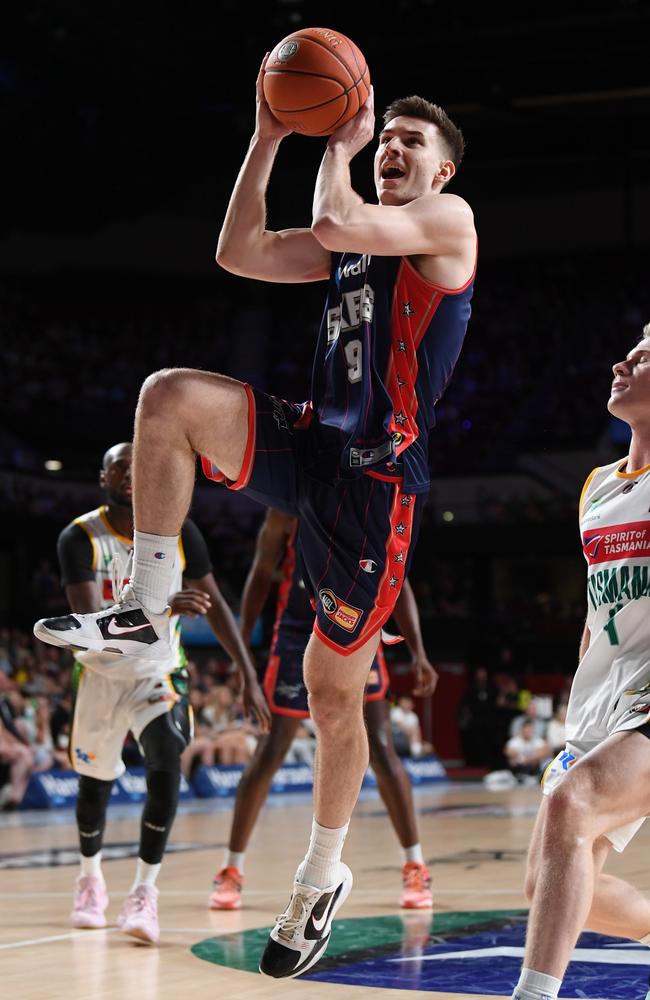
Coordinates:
(397,546)
(305,418)
(270,680)
(443,288)
(414,306)
(213,472)
(385,479)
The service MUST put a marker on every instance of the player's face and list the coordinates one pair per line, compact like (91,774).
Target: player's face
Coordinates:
(630,394)
(408,160)
(116,476)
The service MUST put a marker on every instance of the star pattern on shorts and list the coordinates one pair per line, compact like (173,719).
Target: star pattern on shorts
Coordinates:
(400,418)
(399,557)
(401,346)
(406,501)
(400,381)
(394,580)
(400,528)
(407,309)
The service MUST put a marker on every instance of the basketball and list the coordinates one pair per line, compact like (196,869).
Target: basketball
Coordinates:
(315,80)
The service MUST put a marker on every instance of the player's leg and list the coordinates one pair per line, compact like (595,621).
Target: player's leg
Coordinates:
(604,791)
(96,739)
(395,789)
(617,907)
(91,899)
(336,686)
(252,792)
(182,413)
(163,741)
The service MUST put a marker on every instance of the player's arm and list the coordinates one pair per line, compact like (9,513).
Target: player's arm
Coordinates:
(77,561)
(441,224)
(408,621)
(204,597)
(246,247)
(269,546)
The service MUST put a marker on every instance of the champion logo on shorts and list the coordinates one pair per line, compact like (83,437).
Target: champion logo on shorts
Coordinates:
(159,555)
(339,612)
(368,565)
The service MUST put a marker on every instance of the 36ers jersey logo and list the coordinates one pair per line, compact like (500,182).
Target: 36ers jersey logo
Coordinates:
(338,611)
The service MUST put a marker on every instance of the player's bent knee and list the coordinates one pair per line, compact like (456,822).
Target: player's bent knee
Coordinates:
(166,391)
(334,709)
(570,813)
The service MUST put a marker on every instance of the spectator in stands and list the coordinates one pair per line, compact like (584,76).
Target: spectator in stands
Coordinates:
(531,714)
(407,733)
(16,758)
(477,722)
(555,731)
(526,751)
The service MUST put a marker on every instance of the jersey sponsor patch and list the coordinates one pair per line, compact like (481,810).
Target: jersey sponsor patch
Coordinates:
(339,612)
(617,542)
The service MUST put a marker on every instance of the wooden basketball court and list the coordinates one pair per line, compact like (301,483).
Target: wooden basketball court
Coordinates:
(475,841)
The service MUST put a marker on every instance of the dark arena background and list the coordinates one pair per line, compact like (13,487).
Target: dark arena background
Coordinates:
(123,130)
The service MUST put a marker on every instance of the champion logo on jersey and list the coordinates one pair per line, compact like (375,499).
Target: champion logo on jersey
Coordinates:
(368,565)
(159,555)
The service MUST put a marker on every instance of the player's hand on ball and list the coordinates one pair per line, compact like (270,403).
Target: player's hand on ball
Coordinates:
(267,125)
(190,602)
(359,131)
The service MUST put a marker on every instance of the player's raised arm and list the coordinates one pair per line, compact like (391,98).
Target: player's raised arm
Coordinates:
(246,247)
(410,172)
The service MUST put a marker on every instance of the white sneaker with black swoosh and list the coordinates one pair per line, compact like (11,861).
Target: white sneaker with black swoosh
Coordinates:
(127,627)
(301,934)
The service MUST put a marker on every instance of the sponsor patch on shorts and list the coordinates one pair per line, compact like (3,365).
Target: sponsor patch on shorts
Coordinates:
(338,611)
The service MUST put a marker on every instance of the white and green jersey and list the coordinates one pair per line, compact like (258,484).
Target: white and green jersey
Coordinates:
(611,688)
(108,554)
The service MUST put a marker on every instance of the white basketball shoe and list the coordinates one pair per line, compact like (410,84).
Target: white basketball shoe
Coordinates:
(301,934)
(127,627)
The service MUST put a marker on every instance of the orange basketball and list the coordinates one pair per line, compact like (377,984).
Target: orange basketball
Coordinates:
(316,80)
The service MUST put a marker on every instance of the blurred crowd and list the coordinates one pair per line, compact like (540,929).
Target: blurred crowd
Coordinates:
(505,727)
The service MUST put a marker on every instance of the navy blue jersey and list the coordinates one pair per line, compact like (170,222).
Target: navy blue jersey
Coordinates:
(387,347)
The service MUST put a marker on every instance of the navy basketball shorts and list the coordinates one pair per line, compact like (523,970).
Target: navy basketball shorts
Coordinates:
(284,684)
(355,537)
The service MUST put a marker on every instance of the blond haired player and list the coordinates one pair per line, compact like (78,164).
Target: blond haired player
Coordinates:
(597,790)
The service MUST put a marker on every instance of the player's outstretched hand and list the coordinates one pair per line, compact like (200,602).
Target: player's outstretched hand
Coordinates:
(255,704)
(426,677)
(267,125)
(359,131)
(190,602)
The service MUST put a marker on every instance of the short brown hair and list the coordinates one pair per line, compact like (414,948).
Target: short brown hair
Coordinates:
(417,107)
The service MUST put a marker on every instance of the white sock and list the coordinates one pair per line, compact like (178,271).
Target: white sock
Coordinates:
(320,868)
(645,940)
(536,986)
(154,557)
(413,854)
(92,866)
(145,874)
(234,859)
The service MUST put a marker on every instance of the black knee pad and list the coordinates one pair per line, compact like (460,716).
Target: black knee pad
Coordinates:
(165,738)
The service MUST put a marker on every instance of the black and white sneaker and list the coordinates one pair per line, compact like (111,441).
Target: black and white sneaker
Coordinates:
(301,934)
(127,628)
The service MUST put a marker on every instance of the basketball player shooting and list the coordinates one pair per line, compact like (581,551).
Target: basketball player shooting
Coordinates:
(352,463)
(597,790)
